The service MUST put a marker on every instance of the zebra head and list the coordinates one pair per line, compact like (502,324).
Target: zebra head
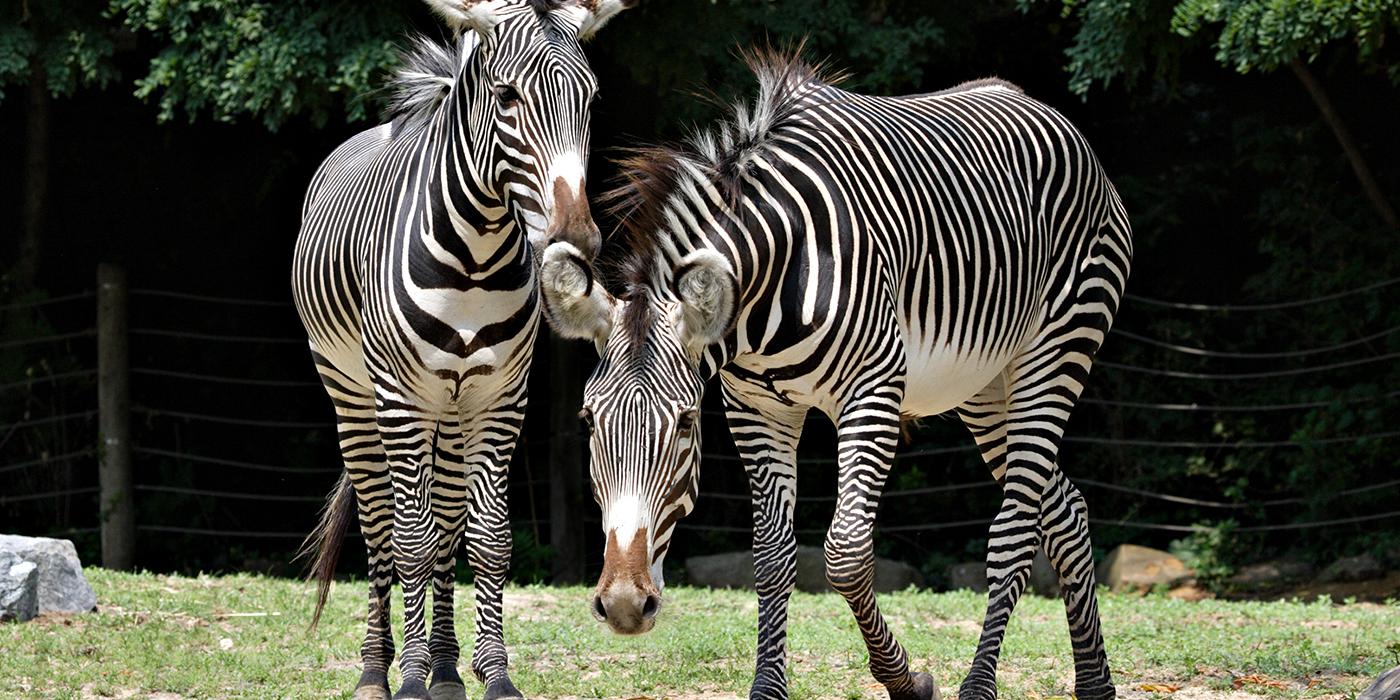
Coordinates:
(642,409)
(529,89)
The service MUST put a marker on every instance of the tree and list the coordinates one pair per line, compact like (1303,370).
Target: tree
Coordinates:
(50,49)
(1121,39)
(270,60)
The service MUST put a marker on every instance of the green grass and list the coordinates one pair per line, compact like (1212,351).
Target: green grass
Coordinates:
(163,636)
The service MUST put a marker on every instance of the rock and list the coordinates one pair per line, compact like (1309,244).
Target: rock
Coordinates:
(19,588)
(1271,573)
(1350,569)
(735,570)
(1130,567)
(1045,580)
(1386,687)
(62,588)
(1190,593)
(970,575)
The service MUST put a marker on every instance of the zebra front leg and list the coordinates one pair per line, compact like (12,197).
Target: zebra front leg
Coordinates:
(488,543)
(409,446)
(766,439)
(1064,518)
(450,512)
(867,436)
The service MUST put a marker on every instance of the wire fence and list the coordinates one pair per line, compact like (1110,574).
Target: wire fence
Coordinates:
(202,471)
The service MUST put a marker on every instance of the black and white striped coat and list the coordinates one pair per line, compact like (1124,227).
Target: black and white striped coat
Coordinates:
(873,258)
(415,276)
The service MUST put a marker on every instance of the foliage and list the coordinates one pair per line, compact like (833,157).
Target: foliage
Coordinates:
(1126,38)
(266,60)
(1211,552)
(1267,34)
(68,40)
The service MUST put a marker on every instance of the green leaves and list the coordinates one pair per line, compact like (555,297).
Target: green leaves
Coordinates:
(273,61)
(1125,38)
(67,44)
(1266,34)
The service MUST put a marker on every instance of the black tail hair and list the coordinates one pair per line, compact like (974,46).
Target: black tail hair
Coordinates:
(322,546)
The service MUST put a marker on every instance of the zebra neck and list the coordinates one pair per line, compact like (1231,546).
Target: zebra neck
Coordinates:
(467,219)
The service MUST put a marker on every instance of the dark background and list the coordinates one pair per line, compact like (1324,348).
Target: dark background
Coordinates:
(1238,191)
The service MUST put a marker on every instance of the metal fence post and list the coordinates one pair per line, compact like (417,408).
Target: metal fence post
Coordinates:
(116,510)
(566,488)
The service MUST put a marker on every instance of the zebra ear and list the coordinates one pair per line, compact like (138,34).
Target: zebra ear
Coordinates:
(597,13)
(709,295)
(480,15)
(575,305)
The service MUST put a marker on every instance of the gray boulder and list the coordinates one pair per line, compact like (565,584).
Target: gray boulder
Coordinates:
(971,575)
(1267,574)
(1387,687)
(62,588)
(1045,580)
(1351,569)
(735,570)
(1130,567)
(19,588)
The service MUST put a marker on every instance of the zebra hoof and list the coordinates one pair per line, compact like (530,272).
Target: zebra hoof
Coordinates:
(924,689)
(447,690)
(502,689)
(412,690)
(371,692)
(1098,692)
(972,690)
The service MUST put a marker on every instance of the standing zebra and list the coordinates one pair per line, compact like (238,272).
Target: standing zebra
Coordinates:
(415,278)
(873,258)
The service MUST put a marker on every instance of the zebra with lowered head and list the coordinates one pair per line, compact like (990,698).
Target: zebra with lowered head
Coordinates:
(415,276)
(874,258)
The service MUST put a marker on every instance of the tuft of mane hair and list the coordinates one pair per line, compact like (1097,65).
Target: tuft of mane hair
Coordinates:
(981,83)
(719,155)
(427,71)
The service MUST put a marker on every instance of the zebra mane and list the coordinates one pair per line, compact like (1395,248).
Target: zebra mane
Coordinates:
(719,155)
(427,71)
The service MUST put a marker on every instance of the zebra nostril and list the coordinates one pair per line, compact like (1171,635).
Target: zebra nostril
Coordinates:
(599,611)
(650,607)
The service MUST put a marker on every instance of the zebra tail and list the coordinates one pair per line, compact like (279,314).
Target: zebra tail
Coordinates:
(322,546)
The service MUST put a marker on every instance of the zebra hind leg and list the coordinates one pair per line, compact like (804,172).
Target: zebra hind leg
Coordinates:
(1064,519)
(365,466)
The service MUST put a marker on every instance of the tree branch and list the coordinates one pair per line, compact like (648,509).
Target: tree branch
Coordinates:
(1339,129)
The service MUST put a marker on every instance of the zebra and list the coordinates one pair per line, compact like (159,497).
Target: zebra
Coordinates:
(875,259)
(415,277)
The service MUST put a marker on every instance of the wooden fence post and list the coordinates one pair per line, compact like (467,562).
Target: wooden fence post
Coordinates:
(566,487)
(116,509)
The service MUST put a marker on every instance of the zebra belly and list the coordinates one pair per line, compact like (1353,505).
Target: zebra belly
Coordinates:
(939,378)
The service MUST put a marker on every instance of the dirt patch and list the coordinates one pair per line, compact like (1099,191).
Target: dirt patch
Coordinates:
(1375,591)
(533,605)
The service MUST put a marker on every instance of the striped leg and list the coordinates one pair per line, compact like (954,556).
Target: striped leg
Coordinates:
(491,441)
(1018,433)
(1064,518)
(867,434)
(363,454)
(410,437)
(449,511)
(766,438)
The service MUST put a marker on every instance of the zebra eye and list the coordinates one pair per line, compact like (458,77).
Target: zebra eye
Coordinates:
(507,94)
(686,420)
(586,418)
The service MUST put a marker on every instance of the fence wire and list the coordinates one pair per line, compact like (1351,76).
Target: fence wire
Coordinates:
(1246,504)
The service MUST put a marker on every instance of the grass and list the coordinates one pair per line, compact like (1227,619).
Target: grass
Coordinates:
(174,637)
